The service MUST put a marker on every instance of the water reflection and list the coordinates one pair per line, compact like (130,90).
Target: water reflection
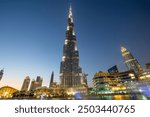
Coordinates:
(110,97)
(120,97)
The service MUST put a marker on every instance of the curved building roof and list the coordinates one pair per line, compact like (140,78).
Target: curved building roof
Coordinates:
(7,92)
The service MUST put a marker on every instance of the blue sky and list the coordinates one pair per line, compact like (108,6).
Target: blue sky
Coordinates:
(32,34)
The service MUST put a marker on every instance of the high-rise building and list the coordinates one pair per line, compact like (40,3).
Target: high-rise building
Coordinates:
(70,72)
(130,61)
(39,81)
(25,84)
(36,84)
(1,74)
(51,80)
(33,85)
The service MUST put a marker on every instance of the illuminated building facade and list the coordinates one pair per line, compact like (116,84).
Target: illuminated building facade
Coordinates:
(25,84)
(70,72)
(7,92)
(57,90)
(1,74)
(112,81)
(145,74)
(130,61)
(42,92)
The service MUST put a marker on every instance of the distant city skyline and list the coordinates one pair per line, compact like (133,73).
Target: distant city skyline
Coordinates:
(32,34)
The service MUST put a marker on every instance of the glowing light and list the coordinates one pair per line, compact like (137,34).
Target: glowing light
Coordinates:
(142,77)
(118,97)
(148,76)
(67,27)
(123,49)
(132,76)
(63,58)
(66,42)
(140,90)
(119,88)
(71,92)
(70,14)
(73,32)
(76,48)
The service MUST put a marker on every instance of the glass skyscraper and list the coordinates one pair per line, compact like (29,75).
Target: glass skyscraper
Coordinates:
(25,84)
(130,61)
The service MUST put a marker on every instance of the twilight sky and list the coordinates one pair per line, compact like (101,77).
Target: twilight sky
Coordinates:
(32,34)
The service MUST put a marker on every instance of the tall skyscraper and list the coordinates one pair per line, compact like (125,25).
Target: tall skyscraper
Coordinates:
(1,74)
(25,84)
(130,61)
(70,71)
(33,85)
(51,80)
(36,84)
(39,81)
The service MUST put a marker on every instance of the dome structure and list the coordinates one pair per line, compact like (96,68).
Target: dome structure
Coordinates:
(7,92)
